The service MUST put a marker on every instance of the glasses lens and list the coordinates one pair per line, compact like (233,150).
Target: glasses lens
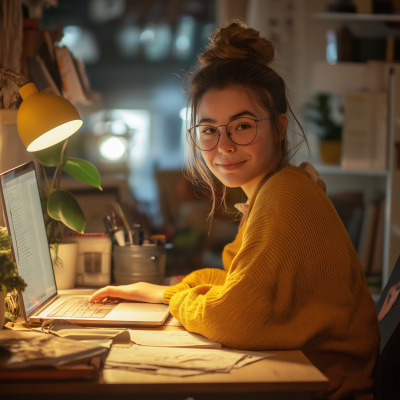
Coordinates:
(205,137)
(242,130)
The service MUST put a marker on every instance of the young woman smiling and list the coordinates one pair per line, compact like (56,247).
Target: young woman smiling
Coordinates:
(291,278)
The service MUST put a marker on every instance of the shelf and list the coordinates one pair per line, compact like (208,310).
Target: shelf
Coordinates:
(335,16)
(337,170)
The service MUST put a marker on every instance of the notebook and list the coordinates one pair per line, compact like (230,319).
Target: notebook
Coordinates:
(41,301)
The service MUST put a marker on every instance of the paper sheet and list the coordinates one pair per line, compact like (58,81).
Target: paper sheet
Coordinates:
(153,370)
(73,331)
(164,360)
(172,339)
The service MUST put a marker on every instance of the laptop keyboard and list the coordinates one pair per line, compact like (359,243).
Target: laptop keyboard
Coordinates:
(79,307)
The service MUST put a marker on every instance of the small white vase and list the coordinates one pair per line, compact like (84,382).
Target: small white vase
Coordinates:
(2,309)
(65,275)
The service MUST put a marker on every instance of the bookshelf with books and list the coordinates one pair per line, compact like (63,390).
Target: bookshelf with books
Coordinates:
(366,185)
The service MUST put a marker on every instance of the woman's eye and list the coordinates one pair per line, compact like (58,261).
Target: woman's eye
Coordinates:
(243,126)
(209,130)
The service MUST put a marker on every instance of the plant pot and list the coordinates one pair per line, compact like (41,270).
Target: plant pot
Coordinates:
(2,309)
(65,274)
(330,151)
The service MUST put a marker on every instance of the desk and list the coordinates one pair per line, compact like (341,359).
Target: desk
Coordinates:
(286,375)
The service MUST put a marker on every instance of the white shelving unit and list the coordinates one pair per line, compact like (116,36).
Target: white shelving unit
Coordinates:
(337,170)
(388,180)
(336,16)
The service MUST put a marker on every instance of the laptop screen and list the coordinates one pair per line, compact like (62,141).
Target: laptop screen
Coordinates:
(28,234)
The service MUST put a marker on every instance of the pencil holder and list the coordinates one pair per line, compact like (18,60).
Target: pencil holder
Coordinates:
(139,264)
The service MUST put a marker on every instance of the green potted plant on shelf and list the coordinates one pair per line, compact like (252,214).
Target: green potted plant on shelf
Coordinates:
(329,132)
(10,282)
(62,210)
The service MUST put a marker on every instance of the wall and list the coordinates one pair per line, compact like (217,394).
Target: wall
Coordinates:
(12,151)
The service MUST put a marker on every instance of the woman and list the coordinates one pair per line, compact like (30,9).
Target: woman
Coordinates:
(291,278)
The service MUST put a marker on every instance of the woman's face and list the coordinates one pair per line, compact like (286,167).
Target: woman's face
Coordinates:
(235,165)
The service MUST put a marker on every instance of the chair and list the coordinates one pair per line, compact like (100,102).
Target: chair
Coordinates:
(387,368)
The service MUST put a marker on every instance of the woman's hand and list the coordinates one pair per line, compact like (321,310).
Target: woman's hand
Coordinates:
(141,291)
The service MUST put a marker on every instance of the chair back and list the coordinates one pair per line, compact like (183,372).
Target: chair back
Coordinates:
(387,369)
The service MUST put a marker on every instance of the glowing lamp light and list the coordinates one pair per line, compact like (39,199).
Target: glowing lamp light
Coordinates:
(113,148)
(45,119)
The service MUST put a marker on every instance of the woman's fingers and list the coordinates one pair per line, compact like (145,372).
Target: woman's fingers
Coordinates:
(100,295)
(141,291)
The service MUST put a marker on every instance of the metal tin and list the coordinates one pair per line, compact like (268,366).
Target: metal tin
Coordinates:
(139,264)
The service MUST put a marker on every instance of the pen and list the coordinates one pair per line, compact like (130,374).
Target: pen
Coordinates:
(108,230)
(113,218)
(136,236)
(112,225)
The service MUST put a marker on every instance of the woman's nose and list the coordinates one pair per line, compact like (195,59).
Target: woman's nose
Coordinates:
(225,145)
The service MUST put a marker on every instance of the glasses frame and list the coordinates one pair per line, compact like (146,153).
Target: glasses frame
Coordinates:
(190,130)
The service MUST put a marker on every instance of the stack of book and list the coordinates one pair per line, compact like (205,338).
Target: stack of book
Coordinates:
(55,69)
(364,219)
(39,356)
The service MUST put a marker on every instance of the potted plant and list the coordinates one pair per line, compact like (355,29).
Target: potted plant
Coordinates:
(10,282)
(330,132)
(62,210)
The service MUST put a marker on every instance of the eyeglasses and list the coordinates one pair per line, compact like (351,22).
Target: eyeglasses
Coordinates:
(241,131)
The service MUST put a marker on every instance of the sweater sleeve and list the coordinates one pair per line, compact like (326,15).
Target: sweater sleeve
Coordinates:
(206,276)
(227,314)
(230,313)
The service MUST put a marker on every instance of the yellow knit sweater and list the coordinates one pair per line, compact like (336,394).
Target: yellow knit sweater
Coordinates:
(292,280)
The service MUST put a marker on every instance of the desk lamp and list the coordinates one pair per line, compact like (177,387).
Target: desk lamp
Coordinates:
(43,119)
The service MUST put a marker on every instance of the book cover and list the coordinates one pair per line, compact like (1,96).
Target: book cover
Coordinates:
(72,87)
(365,244)
(365,131)
(47,54)
(378,245)
(41,76)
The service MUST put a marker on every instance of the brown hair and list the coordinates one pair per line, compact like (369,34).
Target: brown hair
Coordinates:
(238,57)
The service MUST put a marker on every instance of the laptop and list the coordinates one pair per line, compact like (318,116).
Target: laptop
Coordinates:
(41,301)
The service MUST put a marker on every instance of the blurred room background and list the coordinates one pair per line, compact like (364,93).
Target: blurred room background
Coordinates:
(135,54)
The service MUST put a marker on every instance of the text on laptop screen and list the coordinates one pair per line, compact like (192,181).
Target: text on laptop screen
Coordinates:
(28,233)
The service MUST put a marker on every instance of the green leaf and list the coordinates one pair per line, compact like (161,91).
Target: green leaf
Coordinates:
(83,171)
(62,206)
(51,156)
(120,212)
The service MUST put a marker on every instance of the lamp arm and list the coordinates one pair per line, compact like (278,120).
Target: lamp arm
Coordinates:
(13,76)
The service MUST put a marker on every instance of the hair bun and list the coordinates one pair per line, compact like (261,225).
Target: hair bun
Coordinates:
(238,42)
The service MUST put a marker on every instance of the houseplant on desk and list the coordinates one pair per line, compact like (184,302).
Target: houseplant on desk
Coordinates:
(10,282)
(329,131)
(62,210)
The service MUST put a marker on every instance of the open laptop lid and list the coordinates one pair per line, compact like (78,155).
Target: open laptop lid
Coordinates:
(25,223)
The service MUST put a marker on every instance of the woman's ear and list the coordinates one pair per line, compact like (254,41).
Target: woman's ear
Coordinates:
(282,127)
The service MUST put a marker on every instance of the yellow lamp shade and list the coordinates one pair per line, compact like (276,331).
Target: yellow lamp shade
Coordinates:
(45,119)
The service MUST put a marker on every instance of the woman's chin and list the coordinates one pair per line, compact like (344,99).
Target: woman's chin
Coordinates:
(231,183)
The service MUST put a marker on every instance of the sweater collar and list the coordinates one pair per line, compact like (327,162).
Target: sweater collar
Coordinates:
(309,168)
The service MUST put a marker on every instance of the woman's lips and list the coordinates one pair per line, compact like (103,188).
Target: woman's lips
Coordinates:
(231,166)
